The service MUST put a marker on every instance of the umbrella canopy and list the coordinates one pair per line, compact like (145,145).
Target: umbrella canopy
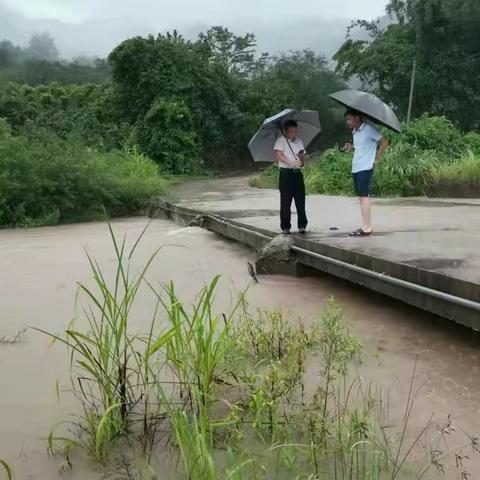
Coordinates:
(370,105)
(262,143)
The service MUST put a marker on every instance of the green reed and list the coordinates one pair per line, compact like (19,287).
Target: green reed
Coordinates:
(226,391)
(6,469)
(108,376)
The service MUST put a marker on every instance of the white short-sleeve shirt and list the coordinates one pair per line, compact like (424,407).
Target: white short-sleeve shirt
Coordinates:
(365,140)
(290,151)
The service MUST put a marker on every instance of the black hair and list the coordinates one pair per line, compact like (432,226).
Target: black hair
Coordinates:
(354,113)
(290,124)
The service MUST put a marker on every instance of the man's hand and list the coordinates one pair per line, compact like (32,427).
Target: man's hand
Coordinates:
(348,147)
(301,157)
(298,163)
(279,155)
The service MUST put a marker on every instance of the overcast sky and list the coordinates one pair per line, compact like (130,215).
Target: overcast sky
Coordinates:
(168,12)
(95,27)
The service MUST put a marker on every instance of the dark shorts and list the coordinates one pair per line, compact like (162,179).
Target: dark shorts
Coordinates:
(362,181)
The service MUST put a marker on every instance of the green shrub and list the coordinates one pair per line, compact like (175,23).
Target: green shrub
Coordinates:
(167,135)
(463,171)
(330,174)
(48,181)
(430,152)
(472,142)
(405,170)
(86,112)
(433,133)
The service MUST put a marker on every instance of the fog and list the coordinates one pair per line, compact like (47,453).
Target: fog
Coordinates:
(94,27)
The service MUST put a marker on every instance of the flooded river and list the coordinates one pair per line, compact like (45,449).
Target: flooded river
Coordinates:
(39,269)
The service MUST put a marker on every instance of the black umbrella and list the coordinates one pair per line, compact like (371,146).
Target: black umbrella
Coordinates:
(370,106)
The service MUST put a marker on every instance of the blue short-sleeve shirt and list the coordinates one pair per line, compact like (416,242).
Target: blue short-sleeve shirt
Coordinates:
(365,141)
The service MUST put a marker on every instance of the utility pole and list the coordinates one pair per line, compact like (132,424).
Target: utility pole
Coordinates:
(412,86)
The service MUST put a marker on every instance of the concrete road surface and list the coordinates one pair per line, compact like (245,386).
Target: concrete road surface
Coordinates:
(434,234)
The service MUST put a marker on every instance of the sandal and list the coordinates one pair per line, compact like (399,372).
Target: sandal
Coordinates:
(360,233)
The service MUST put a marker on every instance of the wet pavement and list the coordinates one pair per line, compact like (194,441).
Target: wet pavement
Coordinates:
(440,235)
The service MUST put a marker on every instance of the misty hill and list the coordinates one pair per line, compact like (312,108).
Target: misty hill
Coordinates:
(92,38)
(98,37)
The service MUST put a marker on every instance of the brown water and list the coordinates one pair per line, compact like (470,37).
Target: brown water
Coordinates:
(39,269)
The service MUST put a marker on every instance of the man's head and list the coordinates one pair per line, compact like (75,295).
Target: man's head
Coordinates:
(290,127)
(353,118)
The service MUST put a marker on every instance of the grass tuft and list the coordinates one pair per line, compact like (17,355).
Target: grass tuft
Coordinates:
(231,393)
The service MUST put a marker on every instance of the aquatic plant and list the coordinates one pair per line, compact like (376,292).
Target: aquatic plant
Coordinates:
(227,392)
(6,468)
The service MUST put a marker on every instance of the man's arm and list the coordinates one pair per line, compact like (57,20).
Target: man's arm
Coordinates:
(281,157)
(382,146)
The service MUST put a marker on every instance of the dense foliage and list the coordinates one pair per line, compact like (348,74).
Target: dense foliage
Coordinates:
(83,112)
(44,181)
(72,129)
(442,36)
(186,104)
(431,157)
(192,101)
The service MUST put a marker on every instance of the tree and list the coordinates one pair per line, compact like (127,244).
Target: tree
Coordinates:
(448,49)
(166,134)
(397,9)
(383,63)
(9,54)
(235,53)
(299,80)
(184,103)
(42,46)
(442,36)
(28,65)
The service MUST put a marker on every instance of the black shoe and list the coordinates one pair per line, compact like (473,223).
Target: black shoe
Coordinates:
(286,232)
(303,231)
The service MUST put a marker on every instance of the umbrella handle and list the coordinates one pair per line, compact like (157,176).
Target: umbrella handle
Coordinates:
(288,143)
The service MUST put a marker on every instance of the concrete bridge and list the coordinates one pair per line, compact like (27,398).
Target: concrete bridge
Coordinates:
(424,252)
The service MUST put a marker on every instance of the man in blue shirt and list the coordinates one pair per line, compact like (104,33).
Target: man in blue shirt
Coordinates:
(369,146)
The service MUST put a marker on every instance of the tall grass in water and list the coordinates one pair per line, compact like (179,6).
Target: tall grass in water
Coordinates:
(6,469)
(227,392)
(110,375)
(198,344)
(194,353)
(192,433)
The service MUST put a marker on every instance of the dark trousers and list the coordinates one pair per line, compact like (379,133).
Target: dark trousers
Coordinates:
(292,187)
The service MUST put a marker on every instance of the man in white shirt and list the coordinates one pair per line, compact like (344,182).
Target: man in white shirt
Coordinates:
(290,155)
(369,146)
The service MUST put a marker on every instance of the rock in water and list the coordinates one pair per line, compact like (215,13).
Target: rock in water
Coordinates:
(278,249)
(198,221)
(276,256)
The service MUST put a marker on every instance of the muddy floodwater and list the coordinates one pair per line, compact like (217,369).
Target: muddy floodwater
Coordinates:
(39,269)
